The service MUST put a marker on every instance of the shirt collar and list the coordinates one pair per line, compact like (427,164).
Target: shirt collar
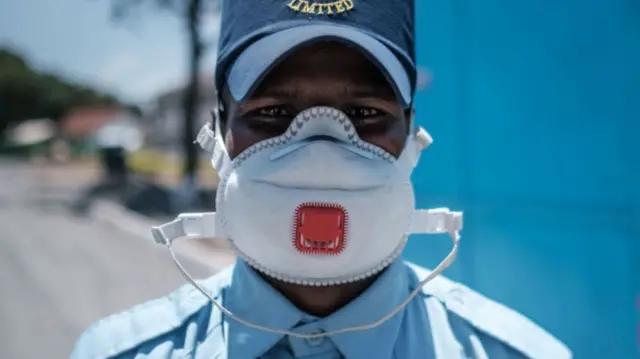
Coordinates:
(383,296)
(251,298)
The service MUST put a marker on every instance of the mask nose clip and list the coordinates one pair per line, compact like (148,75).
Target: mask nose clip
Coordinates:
(323,122)
(287,150)
(298,145)
(320,124)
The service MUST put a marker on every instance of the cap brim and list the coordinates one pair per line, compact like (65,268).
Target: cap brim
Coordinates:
(256,60)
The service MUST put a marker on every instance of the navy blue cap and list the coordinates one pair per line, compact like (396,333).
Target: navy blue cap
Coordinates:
(256,34)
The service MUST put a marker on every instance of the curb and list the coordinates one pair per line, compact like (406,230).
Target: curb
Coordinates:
(139,226)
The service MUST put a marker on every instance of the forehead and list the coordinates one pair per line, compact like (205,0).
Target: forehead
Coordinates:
(325,64)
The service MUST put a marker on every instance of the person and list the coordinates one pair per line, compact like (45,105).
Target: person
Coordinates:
(114,141)
(314,142)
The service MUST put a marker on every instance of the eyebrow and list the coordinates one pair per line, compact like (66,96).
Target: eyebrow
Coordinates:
(370,91)
(276,92)
(358,91)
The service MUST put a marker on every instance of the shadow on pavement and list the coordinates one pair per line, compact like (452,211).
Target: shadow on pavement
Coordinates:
(148,198)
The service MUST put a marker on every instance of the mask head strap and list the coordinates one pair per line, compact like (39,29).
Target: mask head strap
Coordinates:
(213,143)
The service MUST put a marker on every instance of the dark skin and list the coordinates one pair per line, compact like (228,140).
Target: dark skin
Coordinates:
(324,74)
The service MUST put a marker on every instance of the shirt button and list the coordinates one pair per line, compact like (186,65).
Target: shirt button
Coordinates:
(316,342)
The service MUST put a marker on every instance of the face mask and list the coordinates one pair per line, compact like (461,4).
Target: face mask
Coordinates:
(316,205)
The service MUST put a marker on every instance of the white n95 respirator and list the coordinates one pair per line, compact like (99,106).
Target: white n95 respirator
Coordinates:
(316,205)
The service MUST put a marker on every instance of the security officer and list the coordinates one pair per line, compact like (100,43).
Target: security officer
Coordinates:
(314,142)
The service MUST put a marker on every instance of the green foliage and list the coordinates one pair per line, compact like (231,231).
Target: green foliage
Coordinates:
(26,93)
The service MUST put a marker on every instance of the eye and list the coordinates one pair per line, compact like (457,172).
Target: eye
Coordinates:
(274,112)
(363,112)
(364,116)
(270,120)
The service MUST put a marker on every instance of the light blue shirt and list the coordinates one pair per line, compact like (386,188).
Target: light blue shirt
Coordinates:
(446,321)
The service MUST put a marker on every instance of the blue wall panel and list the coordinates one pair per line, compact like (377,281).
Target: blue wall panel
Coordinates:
(535,112)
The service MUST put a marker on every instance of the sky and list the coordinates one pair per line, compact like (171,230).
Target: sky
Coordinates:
(135,60)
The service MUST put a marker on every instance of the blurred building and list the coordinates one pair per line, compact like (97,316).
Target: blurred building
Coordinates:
(31,132)
(29,137)
(90,128)
(165,117)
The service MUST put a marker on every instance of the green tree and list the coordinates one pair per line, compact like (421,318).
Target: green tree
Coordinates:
(26,93)
(192,13)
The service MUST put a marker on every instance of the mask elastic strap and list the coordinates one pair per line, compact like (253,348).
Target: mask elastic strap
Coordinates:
(198,225)
(214,146)
(206,138)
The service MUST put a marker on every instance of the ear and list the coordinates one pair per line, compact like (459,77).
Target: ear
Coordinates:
(226,109)
(215,116)
(218,121)
(410,115)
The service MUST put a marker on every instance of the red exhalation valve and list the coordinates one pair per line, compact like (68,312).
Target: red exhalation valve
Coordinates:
(320,228)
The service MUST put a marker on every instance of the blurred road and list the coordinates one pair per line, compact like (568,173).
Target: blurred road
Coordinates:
(59,273)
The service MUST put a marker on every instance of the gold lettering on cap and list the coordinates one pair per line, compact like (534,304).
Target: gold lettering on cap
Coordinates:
(314,7)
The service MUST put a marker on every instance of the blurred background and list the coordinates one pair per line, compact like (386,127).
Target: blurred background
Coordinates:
(534,107)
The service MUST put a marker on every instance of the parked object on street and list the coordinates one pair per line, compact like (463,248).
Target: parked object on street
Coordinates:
(114,140)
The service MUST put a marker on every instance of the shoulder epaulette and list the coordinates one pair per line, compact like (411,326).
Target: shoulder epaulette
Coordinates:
(494,319)
(126,330)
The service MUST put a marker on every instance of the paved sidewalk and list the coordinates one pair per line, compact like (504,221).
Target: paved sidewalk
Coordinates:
(60,273)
